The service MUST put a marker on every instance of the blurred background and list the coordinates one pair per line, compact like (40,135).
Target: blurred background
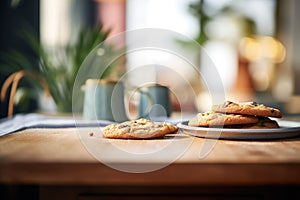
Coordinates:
(252,43)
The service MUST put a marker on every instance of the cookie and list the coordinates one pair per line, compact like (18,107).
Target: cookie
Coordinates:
(263,123)
(218,119)
(247,108)
(138,129)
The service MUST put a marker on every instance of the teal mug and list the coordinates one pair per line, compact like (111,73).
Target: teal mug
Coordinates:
(154,101)
(104,100)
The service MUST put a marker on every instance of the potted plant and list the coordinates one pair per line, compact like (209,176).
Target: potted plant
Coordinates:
(55,72)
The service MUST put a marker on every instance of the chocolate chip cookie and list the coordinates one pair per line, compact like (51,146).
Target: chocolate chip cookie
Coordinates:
(247,108)
(138,129)
(219,119)
(264,122)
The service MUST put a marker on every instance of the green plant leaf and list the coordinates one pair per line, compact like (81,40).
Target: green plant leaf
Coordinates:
(59,70)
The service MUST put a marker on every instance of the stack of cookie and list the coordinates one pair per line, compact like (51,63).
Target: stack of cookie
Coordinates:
(238,115)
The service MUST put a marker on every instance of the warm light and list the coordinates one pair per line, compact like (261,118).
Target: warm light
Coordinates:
(262,47)
(249,48)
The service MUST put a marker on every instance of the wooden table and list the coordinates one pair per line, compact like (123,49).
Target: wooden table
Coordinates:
(54,162)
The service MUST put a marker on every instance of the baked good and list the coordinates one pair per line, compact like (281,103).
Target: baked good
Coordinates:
(247,108)
(264,122)
(218,119)
(138,129)
(246,115)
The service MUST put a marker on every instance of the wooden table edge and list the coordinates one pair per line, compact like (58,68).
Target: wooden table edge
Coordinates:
(193,174)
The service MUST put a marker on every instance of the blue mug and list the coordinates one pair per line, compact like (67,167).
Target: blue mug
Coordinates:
(104,100)
(154,101)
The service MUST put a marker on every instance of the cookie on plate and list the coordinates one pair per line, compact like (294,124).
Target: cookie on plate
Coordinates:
(138,129)
(218,119)
(264,122)
(247,108)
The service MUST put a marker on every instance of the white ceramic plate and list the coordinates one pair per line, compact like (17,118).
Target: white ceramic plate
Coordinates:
(287,129)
